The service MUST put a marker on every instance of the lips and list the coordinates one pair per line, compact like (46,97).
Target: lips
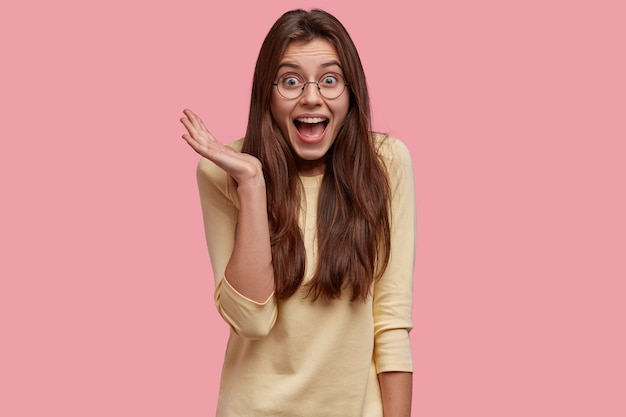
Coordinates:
(311,129)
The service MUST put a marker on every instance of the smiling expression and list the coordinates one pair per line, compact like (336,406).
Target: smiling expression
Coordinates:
(310,122)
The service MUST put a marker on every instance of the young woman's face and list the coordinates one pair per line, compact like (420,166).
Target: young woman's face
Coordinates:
(310,121)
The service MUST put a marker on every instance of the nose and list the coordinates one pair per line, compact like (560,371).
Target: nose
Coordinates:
(311,95)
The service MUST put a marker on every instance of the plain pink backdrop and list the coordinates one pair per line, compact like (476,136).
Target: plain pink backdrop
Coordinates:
(515,114)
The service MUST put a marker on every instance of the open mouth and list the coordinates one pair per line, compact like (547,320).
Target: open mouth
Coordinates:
(311,126)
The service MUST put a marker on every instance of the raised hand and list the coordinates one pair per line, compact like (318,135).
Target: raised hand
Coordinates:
(242,167)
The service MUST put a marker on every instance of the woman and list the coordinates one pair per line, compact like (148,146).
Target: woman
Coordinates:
(310,223)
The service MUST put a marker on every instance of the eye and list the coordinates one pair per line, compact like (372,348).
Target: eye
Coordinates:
(329,80)
(290,81)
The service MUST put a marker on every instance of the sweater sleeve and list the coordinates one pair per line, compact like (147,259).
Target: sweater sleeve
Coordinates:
(220,208)
(393,293)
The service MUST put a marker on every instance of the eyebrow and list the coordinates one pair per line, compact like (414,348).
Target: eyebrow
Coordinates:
(294,65)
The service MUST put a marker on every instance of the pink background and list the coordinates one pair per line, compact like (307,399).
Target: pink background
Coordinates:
(515,115)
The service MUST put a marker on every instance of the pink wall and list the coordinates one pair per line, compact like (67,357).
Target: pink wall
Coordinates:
(514,113)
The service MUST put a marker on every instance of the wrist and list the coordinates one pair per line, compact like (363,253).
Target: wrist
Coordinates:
(252,185)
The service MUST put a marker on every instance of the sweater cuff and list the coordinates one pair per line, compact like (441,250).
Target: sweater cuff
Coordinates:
(392,351)
(248,318)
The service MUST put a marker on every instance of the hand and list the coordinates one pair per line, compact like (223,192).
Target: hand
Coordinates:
(242,167)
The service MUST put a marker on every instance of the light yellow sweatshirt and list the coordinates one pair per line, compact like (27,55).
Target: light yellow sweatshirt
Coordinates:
(297,358)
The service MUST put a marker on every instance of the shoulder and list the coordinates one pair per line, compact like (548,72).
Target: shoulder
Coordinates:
(394,153)
(236,145)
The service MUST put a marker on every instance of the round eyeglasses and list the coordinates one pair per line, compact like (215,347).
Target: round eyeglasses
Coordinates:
(330,85)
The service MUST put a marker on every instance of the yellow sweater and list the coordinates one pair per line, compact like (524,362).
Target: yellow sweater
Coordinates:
(297,358)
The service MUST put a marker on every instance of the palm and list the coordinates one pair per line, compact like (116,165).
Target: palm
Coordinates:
(238,165)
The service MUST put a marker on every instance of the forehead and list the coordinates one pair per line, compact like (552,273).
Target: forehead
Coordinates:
(310,54)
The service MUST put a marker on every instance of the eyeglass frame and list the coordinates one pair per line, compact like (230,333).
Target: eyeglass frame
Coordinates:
(317,83)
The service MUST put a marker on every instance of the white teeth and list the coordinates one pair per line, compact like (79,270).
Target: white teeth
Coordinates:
(311,120)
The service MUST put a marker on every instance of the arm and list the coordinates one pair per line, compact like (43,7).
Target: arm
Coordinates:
(396,389)
(232,193)
(393,293)
(249,269)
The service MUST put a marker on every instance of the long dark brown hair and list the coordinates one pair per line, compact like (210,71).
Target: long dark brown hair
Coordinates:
(353,224)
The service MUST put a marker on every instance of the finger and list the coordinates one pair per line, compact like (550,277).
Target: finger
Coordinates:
(195,119)
(189,126)
(190,117)
(188,113)
(196,128)
(192,143)
(202,133)
(198,140)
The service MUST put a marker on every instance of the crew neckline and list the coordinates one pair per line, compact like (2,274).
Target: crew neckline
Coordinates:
(312,181)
